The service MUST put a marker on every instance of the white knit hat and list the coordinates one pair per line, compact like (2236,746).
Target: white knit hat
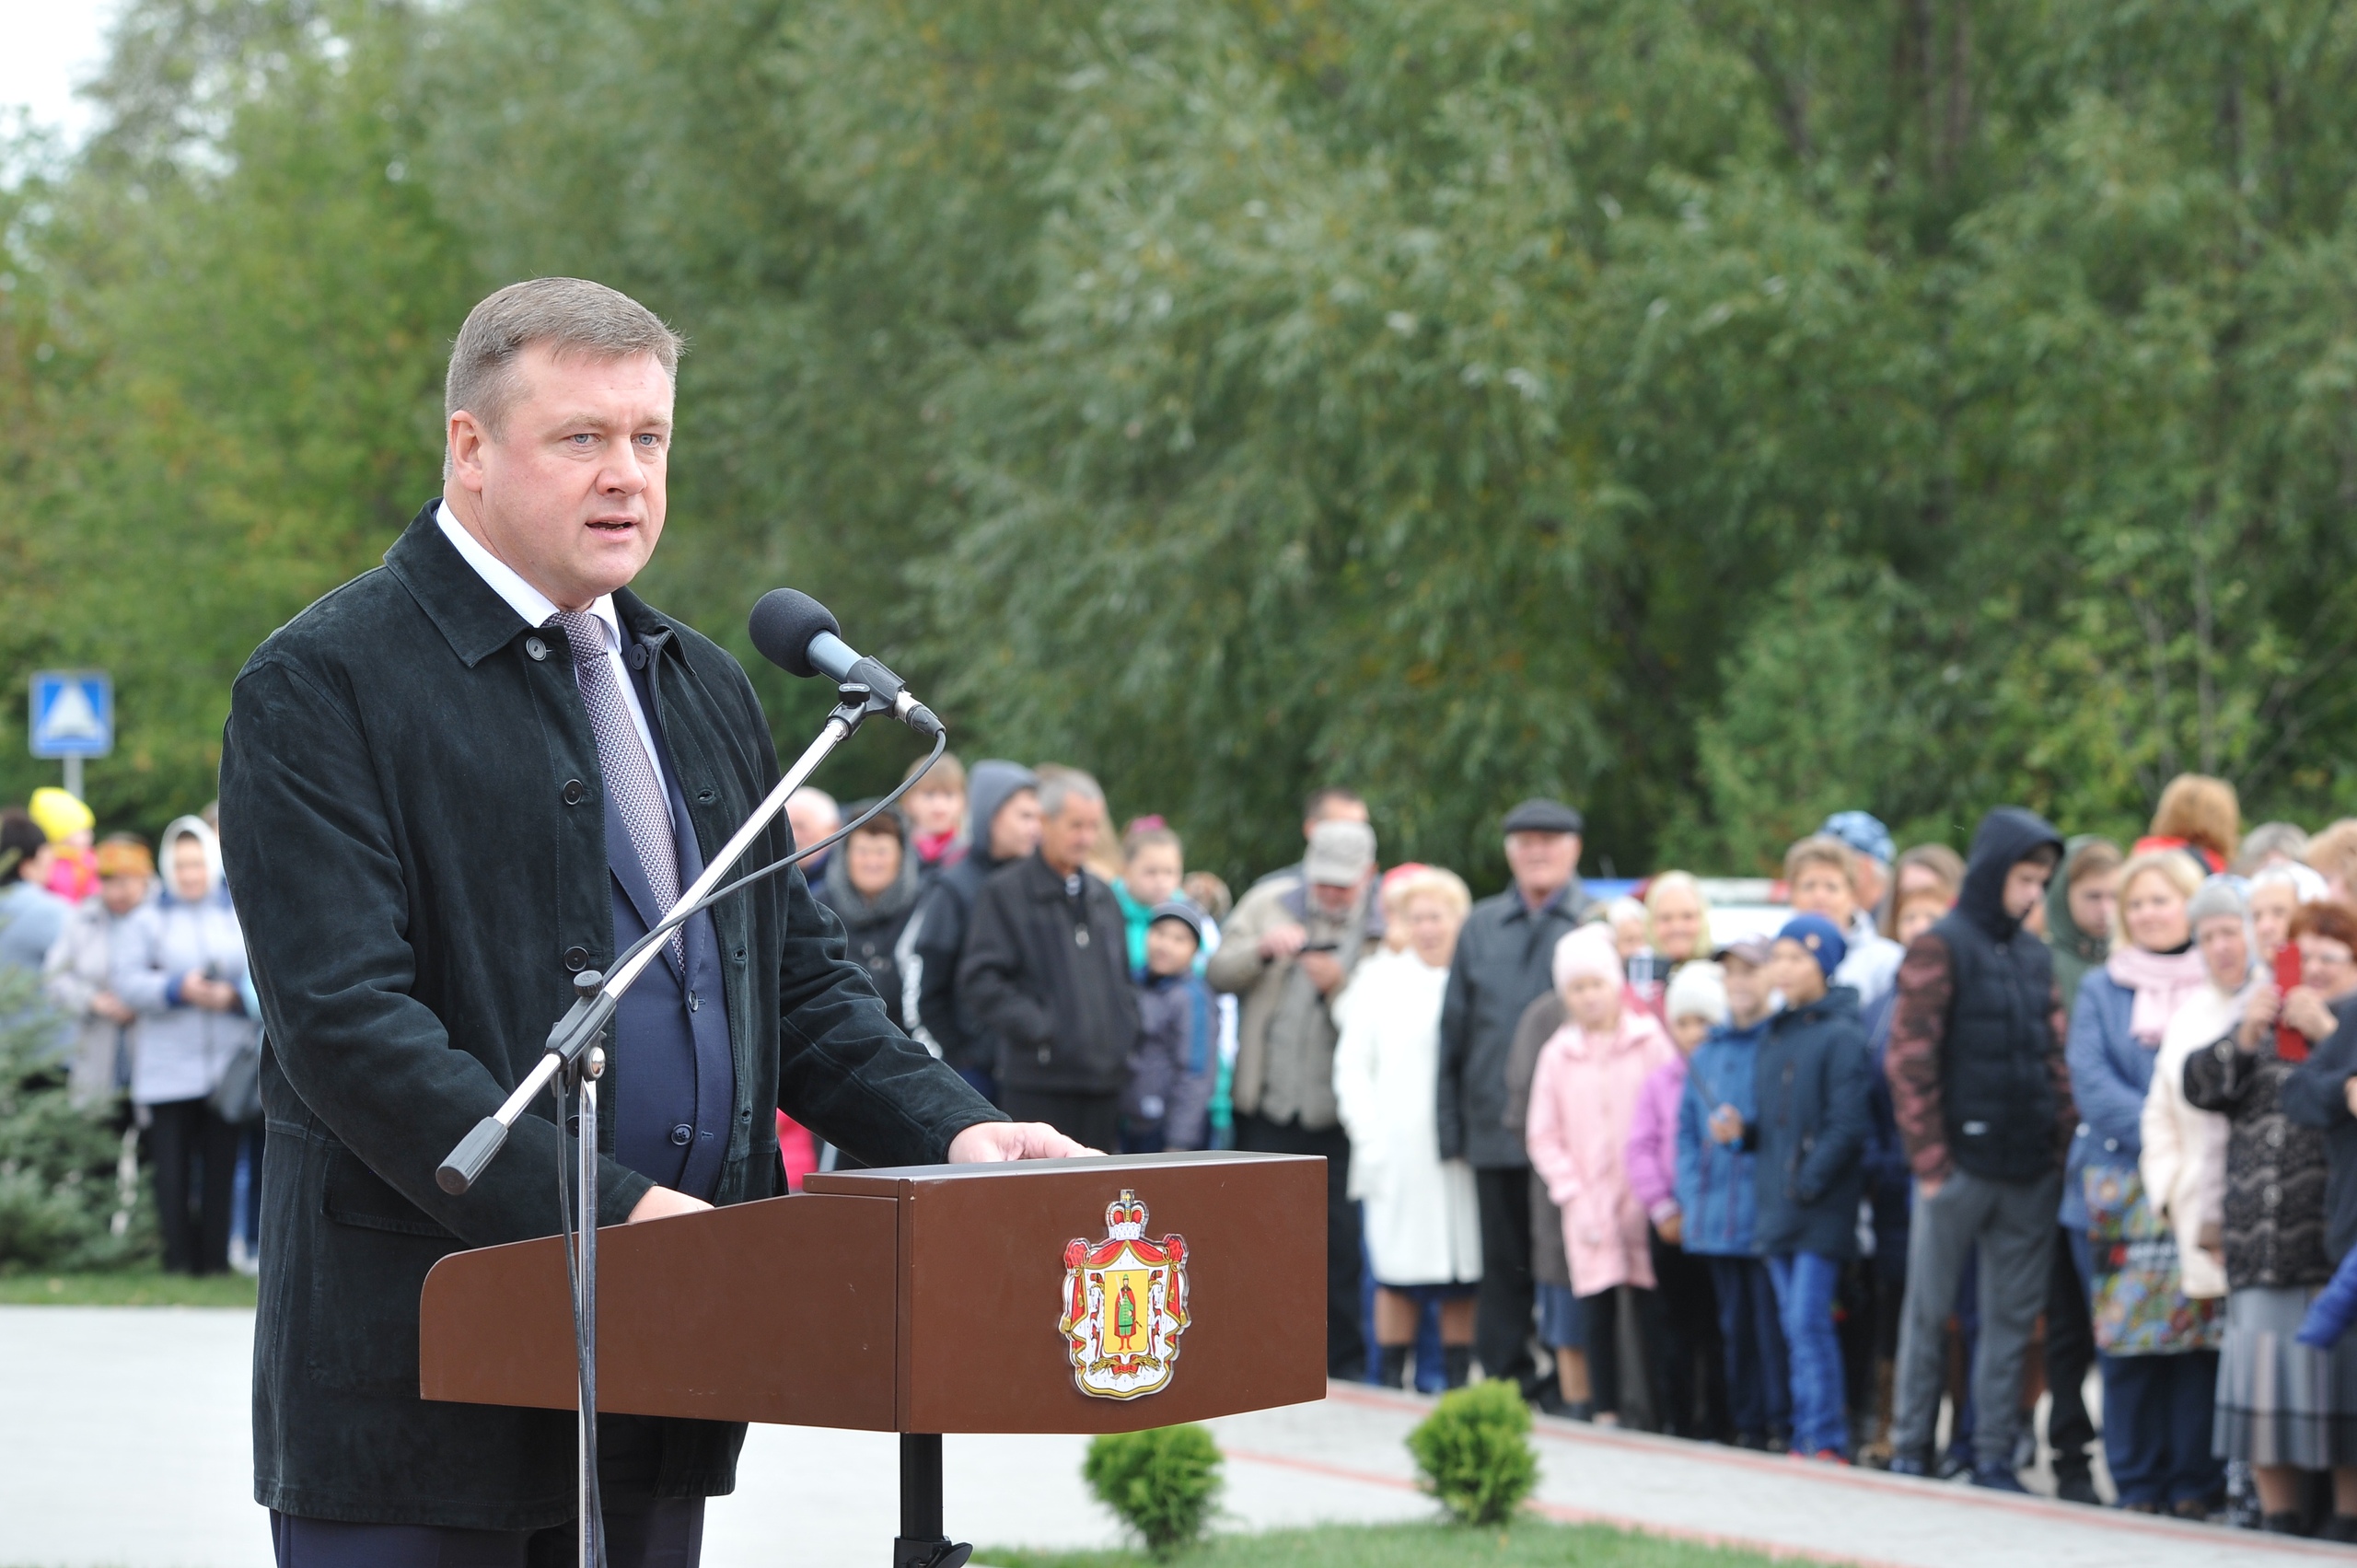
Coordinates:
(1588,950)
(1698,990)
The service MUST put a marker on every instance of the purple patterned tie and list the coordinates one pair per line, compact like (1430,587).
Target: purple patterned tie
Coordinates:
(630,774)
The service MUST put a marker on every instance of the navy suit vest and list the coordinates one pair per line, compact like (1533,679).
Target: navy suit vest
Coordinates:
(670,1072)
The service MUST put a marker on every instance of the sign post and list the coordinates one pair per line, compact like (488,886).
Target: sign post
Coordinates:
(71,718)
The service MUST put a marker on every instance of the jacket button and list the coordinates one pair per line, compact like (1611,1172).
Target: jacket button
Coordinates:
(682,1135)
(1080,937)
(576,959)
(572,792)
(535,650)
(638,655)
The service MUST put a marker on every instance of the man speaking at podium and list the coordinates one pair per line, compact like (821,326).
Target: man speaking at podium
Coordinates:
(445,788)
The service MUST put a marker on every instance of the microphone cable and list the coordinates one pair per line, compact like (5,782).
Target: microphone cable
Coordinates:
(676,918)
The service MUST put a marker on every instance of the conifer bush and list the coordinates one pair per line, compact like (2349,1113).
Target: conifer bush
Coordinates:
(1163,1483)
(1473,1452)
(59,1190)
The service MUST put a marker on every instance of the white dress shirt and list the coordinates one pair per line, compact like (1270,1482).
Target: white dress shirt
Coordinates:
(536,608)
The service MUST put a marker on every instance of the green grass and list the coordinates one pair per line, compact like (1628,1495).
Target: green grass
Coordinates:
(155,1289)
(1529,1543)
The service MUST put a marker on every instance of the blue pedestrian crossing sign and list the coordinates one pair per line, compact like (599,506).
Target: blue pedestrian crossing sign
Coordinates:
(73,712)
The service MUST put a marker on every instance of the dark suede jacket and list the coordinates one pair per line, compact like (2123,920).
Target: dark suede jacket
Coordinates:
(412,821)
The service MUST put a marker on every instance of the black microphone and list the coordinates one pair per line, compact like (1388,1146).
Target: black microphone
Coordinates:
(801,637)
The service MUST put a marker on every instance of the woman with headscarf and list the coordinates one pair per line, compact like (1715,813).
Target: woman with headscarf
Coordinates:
(871,883)
(2079,905)
(180,963)
(2122,1013)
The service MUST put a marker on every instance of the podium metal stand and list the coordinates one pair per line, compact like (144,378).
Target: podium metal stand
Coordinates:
(922,1300)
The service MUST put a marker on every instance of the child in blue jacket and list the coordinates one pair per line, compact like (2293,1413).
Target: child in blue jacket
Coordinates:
(1717,1196)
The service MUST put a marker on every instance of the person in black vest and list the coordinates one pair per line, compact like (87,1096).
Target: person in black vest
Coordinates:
(1982,1096)
(1002,801)
(448,787)
(1047,967)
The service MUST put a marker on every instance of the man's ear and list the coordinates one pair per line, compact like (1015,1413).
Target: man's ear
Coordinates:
(466,439)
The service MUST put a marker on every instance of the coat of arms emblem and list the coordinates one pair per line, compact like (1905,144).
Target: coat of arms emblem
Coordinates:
(1124,1305)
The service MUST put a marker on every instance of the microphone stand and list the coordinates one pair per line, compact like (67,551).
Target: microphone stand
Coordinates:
(576,1058)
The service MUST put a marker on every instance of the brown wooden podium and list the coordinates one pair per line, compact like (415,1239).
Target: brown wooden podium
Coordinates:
(925,1300)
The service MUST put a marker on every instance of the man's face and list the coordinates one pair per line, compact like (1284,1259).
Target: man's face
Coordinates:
(1066,838)
(570,490)
(2092,898)
(1335,899)
(1823,890)
(2025,886)
(811,819)
(1015,827)
(1542,863)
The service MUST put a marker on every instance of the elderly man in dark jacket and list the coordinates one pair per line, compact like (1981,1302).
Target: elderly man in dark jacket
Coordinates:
(1504,962)
(1047,967)
(448,787)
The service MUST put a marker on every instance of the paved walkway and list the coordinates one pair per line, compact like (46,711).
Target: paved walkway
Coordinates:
(123,1442)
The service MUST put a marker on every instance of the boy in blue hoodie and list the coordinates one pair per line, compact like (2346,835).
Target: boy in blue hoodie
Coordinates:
(1717,1199)
(1168,1102)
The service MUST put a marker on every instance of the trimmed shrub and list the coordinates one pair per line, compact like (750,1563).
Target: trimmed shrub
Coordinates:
(1163,1483)
(60,1192)
(1473,1452)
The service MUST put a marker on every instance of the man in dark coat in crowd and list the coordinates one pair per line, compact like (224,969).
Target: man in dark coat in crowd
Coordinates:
(1047,967)
(1505,959)
(1982,1098)
(1003,802)
(447,787)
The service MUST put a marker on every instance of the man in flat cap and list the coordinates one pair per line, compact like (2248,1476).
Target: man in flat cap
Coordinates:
(1287,950)
(1505,959)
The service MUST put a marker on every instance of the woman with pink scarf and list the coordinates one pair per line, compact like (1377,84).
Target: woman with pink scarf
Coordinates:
(1583,1097)
(2157,1401)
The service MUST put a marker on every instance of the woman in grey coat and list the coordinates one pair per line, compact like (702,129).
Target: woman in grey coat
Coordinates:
(79,975)
(180,963)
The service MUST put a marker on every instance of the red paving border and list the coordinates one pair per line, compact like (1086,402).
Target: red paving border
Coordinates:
(1574,1434)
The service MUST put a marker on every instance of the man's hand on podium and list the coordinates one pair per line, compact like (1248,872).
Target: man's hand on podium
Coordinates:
(662,1202)
(988,1143)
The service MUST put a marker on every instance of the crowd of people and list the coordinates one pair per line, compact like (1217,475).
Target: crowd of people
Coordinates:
(137,951)
(2055,1109)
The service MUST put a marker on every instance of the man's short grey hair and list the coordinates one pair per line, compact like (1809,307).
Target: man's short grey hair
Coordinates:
(1059,784)
(572,316)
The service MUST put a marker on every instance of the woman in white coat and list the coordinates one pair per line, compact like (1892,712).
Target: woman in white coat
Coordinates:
(2184,1159)
(180,963)
(1424,1232)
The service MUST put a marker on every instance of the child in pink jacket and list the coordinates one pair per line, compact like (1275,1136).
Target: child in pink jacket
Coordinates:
(1583,1099)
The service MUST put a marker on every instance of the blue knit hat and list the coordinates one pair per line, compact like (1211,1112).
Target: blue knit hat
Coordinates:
(1820,936)
(1862,831)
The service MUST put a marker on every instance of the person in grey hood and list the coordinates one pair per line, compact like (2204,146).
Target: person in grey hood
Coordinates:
(871,885)
(180,962)
(1003,811)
